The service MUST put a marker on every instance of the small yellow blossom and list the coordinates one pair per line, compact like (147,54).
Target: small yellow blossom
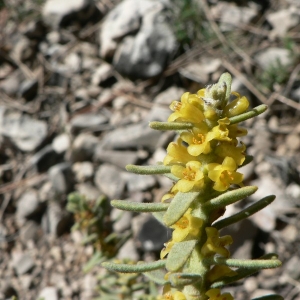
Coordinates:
(177,154)
(215,294)
(236,131)
(191,176)
(232,150)
(221,131)
(168,294)
(236,107)
(197,140)
(224,175)
(189,109)
(187,226)
(219,271)
(215,243)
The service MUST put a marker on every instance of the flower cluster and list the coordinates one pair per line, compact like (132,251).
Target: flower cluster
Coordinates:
(207,154)
(210,149)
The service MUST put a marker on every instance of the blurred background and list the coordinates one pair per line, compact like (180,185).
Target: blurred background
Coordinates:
(79,82)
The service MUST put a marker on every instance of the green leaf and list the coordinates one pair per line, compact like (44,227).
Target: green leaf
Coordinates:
(249,114)
(158,276)
(172,177)
(182,279)
(244,263)
(229,198)
(248,160)
(139,207)
(178,206)
(148,170)
(142,267)
(170,125)
(95,260)
(245,213)
(179,254)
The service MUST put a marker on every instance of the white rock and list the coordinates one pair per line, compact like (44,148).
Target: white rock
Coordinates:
(48,293)
(61,143)
(271,56)
(55,12)
(283,20)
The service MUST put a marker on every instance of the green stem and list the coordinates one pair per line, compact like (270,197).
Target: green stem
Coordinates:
(148,170)
(170,125)
(139,207)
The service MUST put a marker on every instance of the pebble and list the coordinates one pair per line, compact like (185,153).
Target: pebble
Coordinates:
(83,147)
(48,293)
(23,263)
(61,177)
(89,121)
(110,181)
(83,171)
(137,182)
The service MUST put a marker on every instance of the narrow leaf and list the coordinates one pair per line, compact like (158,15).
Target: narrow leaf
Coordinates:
(227,79)
(248,160)
(179,254)
(229,198)
(245,213)
(249,114)
(182,279)
(178,206)
(143,267)
(139,207)
(158,276)
(171,176)
(170,125)
(148,170)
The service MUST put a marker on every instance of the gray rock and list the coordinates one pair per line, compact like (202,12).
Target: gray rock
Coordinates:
(109,179)
(48,293)
(83,147)
(61,177)
(23,263)
(145,54)
(55,220)
(231,15)
(88,190)
(128,251)
(89,121)
(29,231)
(28,205)
(23,49)
(290,267)
(29,89)
(58,13)
(83,171)
(149,232)
(45,158)
(121,219)
(11,84)
(132,136)
(104,76)
(23,131)
(117,158)
(271,56)
(61,143)
(283,20)
(137,182)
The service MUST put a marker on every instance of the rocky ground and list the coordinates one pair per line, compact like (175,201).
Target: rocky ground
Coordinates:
(79,82)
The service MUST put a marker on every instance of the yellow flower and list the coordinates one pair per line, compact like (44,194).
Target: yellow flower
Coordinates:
(215,294)
(236,131)
(177,154)
(198,140)
(216,244)
(191,177)
(189,109)
(232,150)
(237,106)
(168,294)
(224,175)
(220,132)
(187,226)
(220,271)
